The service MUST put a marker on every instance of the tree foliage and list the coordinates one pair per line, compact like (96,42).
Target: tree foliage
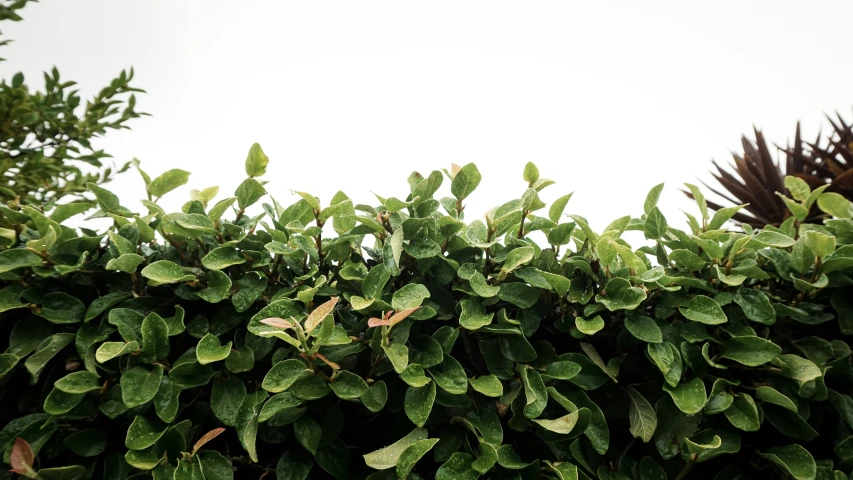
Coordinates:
(240,336)
(46,137)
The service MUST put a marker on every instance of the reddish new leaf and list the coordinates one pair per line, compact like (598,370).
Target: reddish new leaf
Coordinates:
(400,316)
(206,438)
(22,457)
(319,313)
(278,323)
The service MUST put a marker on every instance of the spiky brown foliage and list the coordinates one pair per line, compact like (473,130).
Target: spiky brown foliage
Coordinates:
(755,176)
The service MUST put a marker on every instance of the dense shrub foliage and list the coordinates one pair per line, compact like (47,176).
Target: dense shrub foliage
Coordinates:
(333,340)
(46,151)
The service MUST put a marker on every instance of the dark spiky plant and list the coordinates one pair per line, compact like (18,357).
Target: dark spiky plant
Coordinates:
(756,176)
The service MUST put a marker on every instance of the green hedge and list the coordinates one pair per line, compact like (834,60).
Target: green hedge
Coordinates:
(333,340)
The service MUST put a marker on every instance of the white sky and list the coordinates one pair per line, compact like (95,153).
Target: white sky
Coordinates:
(607,98)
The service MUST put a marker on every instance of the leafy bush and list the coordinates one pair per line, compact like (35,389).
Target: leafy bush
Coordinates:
(45,137)
(410,344)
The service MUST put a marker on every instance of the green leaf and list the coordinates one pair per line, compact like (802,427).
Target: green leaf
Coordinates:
(166,400)
(87,443)
(375,398)
(773,239)
(705,310)
(535,393)
(519,294)
(70,472)
(411,455)
(620,295)
(488,385)
(481,287)
(750,351)
(293,465)
(143,433)
(78,382)
(226,398)
(668,360)
(687,259)
(409,296)
(348,386)
(256,161)
(191,374)
(723,215)
(756,306)
(689,397)
(517,258)
(591,326)
(164,272)
(557,208)
(222,257)
(106,199)
(652,198)
(565,424)
(835,205)
(45,352)
(249,192)
(247,422)
(375,281)
(642,417)
(398,355)
(531,173)
(18,258)
(215,466)
(415,376)
(793,459)
(104,303)
(465,182)
(473,315)
(249,289)
(308,433)
(209,350)
(58,402)
(743,413)
(422,248)
(798,369)
(240,360)
(155,338)
(711,443)
(388,457)
(418,403)
(822,245)
(139,385)
(59,307)
(700,199)
(127,263)
(643,328)
(450,376)
(771,395)
(655,224)
(396,242)
(798,187)
(168,181)
(205,195)
(109,350)
(282,403)
(284,374)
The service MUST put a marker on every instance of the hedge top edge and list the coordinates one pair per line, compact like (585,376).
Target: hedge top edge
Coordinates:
(411,344)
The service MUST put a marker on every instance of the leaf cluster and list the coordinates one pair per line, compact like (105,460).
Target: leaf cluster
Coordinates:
(46,136)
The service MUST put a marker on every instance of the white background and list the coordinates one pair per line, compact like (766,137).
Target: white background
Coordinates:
(607,98)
